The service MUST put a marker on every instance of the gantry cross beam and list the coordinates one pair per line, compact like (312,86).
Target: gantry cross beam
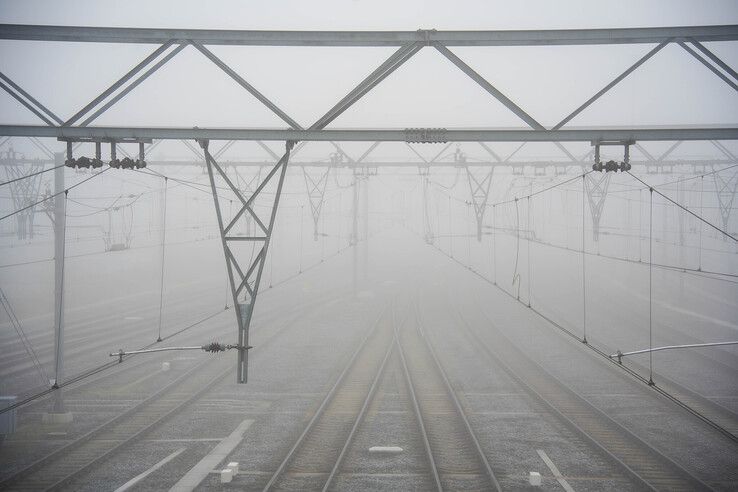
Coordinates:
(173,41)
(557,37)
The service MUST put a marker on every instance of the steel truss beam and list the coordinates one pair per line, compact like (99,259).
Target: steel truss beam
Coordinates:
(407,49)
(428,234)
(244,278)
(652,35)
(390,135)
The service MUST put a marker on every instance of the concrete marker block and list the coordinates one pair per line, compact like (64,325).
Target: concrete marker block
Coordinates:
(535,479)
(385,450)
(165,366)
(233,466)
(226,475)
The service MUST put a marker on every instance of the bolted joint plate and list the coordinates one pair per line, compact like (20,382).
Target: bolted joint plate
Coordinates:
(425,135)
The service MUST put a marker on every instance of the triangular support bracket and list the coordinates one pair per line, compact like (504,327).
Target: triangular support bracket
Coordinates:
(428,234)
(726,189)
(479,189)
(315,186)
(596,186)
(244,278)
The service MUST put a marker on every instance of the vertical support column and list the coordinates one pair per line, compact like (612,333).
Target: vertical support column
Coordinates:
(365,227)
(699,223)
(494,245)
(428,234)
(163,253)
(450,231)
(60,225)
(650,289)
(58,415)
(584,265)
(354,236)
(530,238)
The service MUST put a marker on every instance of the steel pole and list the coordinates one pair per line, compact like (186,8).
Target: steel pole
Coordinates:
(59,227)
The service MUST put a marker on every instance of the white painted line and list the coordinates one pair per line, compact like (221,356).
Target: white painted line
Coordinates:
(203,467)
(148,472)
(554,470)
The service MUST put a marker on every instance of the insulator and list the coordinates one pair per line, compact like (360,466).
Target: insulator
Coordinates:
(597,166)
(127,163)
(214,347)
(70,162)
(96,162)
(115,163)
(84,162)
(140,164)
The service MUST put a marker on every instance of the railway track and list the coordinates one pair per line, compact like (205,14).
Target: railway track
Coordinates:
(448,452)
(640,460)
(63,465)
(707,410)
(106,378)
(456,458)
(312,461)
(720,416)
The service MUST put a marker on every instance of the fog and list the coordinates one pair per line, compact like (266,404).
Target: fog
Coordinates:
(455,315)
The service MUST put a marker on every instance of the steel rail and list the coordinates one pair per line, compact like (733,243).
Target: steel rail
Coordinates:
(632,450)
(323,405)
(727,433)
(8,482)
(726,418)
(359,418)
(418,414)
(558,37)
(65,450)
(459,408)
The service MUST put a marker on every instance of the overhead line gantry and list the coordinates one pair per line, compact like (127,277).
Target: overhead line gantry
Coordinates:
(171,42)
